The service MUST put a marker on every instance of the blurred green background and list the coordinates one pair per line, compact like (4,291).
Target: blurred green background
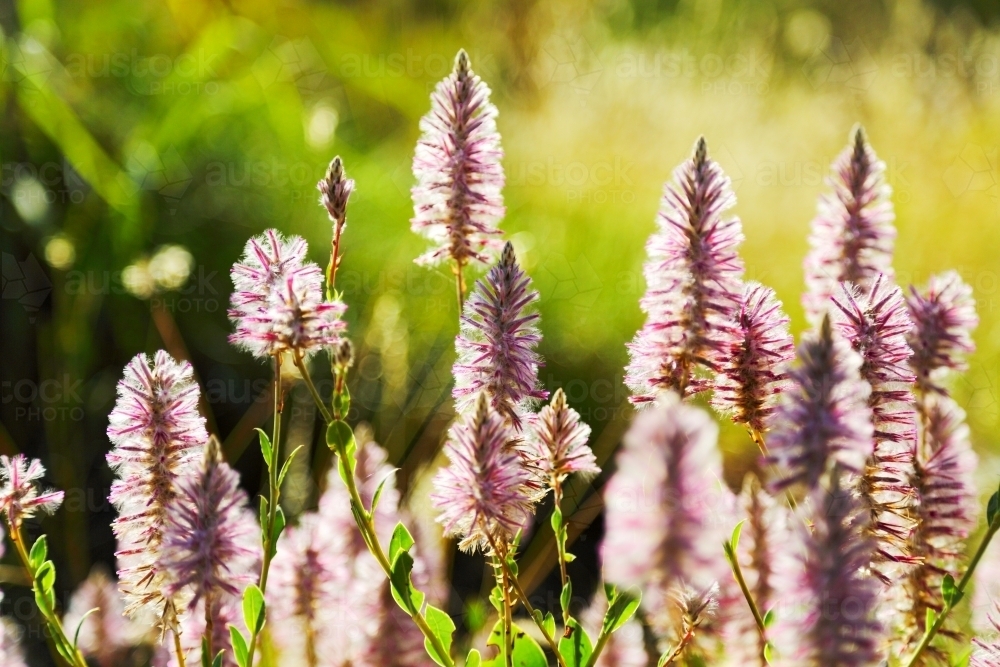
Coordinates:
(143,143)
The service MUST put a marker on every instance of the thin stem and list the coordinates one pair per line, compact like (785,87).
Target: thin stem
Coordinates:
(55,625)
(209,626)
(557,493)
(681,645)
(181,661)
(508,620)
(459,284)
(307,378)
(931,632)
(602,640)
(738,574)
(274,496)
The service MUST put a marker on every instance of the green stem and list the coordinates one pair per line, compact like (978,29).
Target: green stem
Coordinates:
(51,619)
(602,641)
(932,631)
(307,378)
(738,574)
(274,496)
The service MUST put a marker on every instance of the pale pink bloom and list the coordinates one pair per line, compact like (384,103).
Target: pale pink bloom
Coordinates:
(106,635)
(457,201)
(852,235)
(694,286)
(20,497)
(557,441)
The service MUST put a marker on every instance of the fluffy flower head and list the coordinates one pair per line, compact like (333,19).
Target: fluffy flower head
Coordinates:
(944,317)
(20,497)
(558,440)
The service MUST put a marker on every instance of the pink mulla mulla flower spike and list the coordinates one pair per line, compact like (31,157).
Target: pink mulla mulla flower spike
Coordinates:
(484,494)
(986,647)
(752,376)
(496,345)
(824,416)
(852,235)
(944,317)
(694,283)
(876,323)
(106,635)
(557,442)
(20,497)
(457,201)
(828,613)
(157,434)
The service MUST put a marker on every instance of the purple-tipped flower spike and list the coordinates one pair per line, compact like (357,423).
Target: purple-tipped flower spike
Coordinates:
(944,509)
(824,417)
(558,442)
(483,494)
(106,635)
(944,317)
(335,189)
(662,504)
(853,235)
(457,201)
(157,435)
(875,324)
(278,305)
(827,618)
(753,373)
(496,347)
(209,538)
(694,283)
(20,498)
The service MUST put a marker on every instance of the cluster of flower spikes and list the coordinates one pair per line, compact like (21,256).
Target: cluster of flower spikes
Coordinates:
(277,305)
(694,283)
(457,200)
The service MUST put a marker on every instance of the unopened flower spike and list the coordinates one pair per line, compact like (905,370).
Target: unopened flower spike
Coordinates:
(944,317)
(484,493)
(753,375)
(853,236)
(694,286)
(824,416)
(20,496)
(558,441)
(496,345)
(457,201)
(335,189)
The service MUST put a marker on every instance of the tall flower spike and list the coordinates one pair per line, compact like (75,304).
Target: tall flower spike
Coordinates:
(753,373)
(852,235)
(662,512)
(209,538)
(483,494)
(944,317)
(496,346)
(824,417)
(693,278)
(157,435)
(457,201)
(20,498)
(335,189)
(106,635)
(944,508)
(875,324)
(828,615)
(558,441)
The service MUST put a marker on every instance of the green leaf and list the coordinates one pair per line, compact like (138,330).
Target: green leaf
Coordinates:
(253,609)
(443,627)
(610,591)
(240,649)
(474,659)
(949,592)
(340,437)
(265,448)
(929,620)
(204,652)
(288,462)
(769,653)
(550,624)
(45,576)
(218,659)
(262,516)
(769,618)
(79,626)
(39,553)
(401,541)
(403,592)
(575,646)
(569,558)
(496,598)
(381,485)
(734,539)
(566,597)
(526,653)
(279,527)
(621,609)
(557,521)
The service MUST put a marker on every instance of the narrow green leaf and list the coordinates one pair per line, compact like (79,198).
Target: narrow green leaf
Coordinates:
(76,635)
(39,553)
(253,609)
(556,520)
(45,576)
(929,620)
(401,541)
(265,448)
(496,598)
(621,609)
(610,591)
(240,649)
(218,659)
(991,508)
(407,597)
(381,485)
(443,627)
(262,515)
(204,653)
(734,540)
(279,527)
(285,466)
(575,646)
(474,659)
(769,653)
(566,597)
(769,618)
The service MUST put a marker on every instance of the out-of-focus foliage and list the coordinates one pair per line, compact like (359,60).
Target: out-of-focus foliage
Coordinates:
(141,144)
